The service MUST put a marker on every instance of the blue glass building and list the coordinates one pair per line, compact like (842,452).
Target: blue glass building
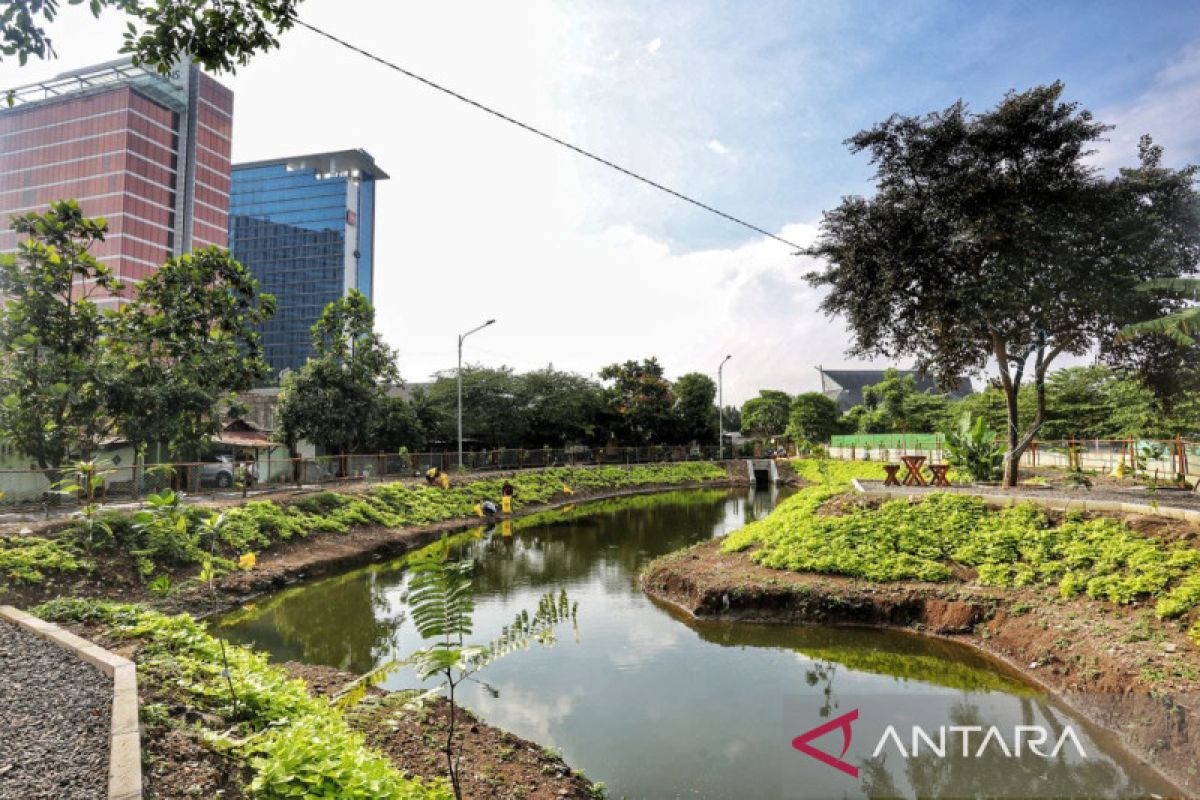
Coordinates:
(305,228)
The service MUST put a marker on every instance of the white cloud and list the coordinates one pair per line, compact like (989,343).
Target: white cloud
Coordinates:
(482,220)
(718,148)
(654,44)
(1166,111)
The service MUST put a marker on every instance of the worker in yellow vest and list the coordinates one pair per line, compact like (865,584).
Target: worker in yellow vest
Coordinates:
(506,498)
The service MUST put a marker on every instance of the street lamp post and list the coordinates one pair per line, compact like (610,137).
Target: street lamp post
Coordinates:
(721,409)
(461,337)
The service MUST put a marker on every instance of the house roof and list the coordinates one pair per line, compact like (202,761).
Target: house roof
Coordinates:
(846,385)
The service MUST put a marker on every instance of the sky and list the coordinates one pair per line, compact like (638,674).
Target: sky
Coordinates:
(743,105)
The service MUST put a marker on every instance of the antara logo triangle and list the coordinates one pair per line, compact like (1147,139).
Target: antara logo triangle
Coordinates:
(801,742)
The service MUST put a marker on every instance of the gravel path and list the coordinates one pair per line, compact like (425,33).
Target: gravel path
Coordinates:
(1175,499)
(55,715)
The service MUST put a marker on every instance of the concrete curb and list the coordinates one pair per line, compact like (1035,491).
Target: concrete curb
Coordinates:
(125,749)
(1052,503)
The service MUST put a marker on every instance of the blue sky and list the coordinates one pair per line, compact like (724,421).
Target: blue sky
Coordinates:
(744,105)
(782,84)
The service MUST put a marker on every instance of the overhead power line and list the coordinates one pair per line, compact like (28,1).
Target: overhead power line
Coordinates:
(544,135)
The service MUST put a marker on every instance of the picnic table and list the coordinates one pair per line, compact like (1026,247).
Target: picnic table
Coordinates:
(913,476)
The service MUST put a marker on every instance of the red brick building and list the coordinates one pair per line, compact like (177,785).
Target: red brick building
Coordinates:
(149,152)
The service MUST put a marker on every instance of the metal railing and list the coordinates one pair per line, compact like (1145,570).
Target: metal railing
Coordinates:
(32,490)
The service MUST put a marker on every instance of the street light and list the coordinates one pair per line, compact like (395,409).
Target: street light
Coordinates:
(721,410)
(462,336)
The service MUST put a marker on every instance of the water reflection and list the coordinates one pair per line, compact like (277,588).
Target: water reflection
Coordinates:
(657,704)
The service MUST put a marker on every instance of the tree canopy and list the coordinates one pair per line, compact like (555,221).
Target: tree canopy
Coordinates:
(767,414)
(337,397)
(52,334)
(990,239)
(696,408)
(640,400)
(219,34)
(164,367)
(813,418)
(184,348)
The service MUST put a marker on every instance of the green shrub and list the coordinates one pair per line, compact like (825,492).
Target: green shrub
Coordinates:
(1012,547)
(304,748)
(320,757)
(974,448)
(26,559)
(168,533)
(1181,599)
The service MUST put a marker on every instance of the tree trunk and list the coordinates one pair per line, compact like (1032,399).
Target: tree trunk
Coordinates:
(1012,458)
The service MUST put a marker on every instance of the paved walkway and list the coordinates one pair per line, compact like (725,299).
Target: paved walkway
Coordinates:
(1162,498)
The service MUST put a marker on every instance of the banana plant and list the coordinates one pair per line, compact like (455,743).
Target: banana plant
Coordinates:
(974,448)
(1181,325)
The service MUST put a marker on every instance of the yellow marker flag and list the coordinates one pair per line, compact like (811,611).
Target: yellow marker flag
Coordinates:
(568,489)
(247,562)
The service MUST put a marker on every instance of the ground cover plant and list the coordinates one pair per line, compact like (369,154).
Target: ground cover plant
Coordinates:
(169,534)
(291,744)
(1101,558)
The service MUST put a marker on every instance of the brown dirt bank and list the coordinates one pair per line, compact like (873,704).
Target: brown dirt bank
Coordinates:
(295,560)
(1118,666)
(496,764)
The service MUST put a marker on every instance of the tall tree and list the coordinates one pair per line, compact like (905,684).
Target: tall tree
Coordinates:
(990,238)
(396,424)
(185,347)
(493,413)
(560,407)
(813,418)
(696,408)
(895,406)
(335,397)
(52,338)
(640,398)
(767,414)
(732,417)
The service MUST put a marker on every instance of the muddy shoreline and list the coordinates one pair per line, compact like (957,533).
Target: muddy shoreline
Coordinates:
(331,553)
(1024,630)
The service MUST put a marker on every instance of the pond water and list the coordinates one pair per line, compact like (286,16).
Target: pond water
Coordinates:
(658,705)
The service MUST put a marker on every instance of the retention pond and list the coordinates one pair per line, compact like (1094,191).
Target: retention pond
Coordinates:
(658,705)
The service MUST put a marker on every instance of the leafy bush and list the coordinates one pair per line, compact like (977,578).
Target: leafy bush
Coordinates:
(169,533)
(166,532)
(1102,558)
(318,756)
(304,747)
(25,559)
(974,448)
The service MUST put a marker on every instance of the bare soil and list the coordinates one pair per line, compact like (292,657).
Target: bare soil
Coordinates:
(495,763)
(1119,666)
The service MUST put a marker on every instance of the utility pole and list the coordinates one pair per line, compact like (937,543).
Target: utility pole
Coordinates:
(461,337)
(721,409)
